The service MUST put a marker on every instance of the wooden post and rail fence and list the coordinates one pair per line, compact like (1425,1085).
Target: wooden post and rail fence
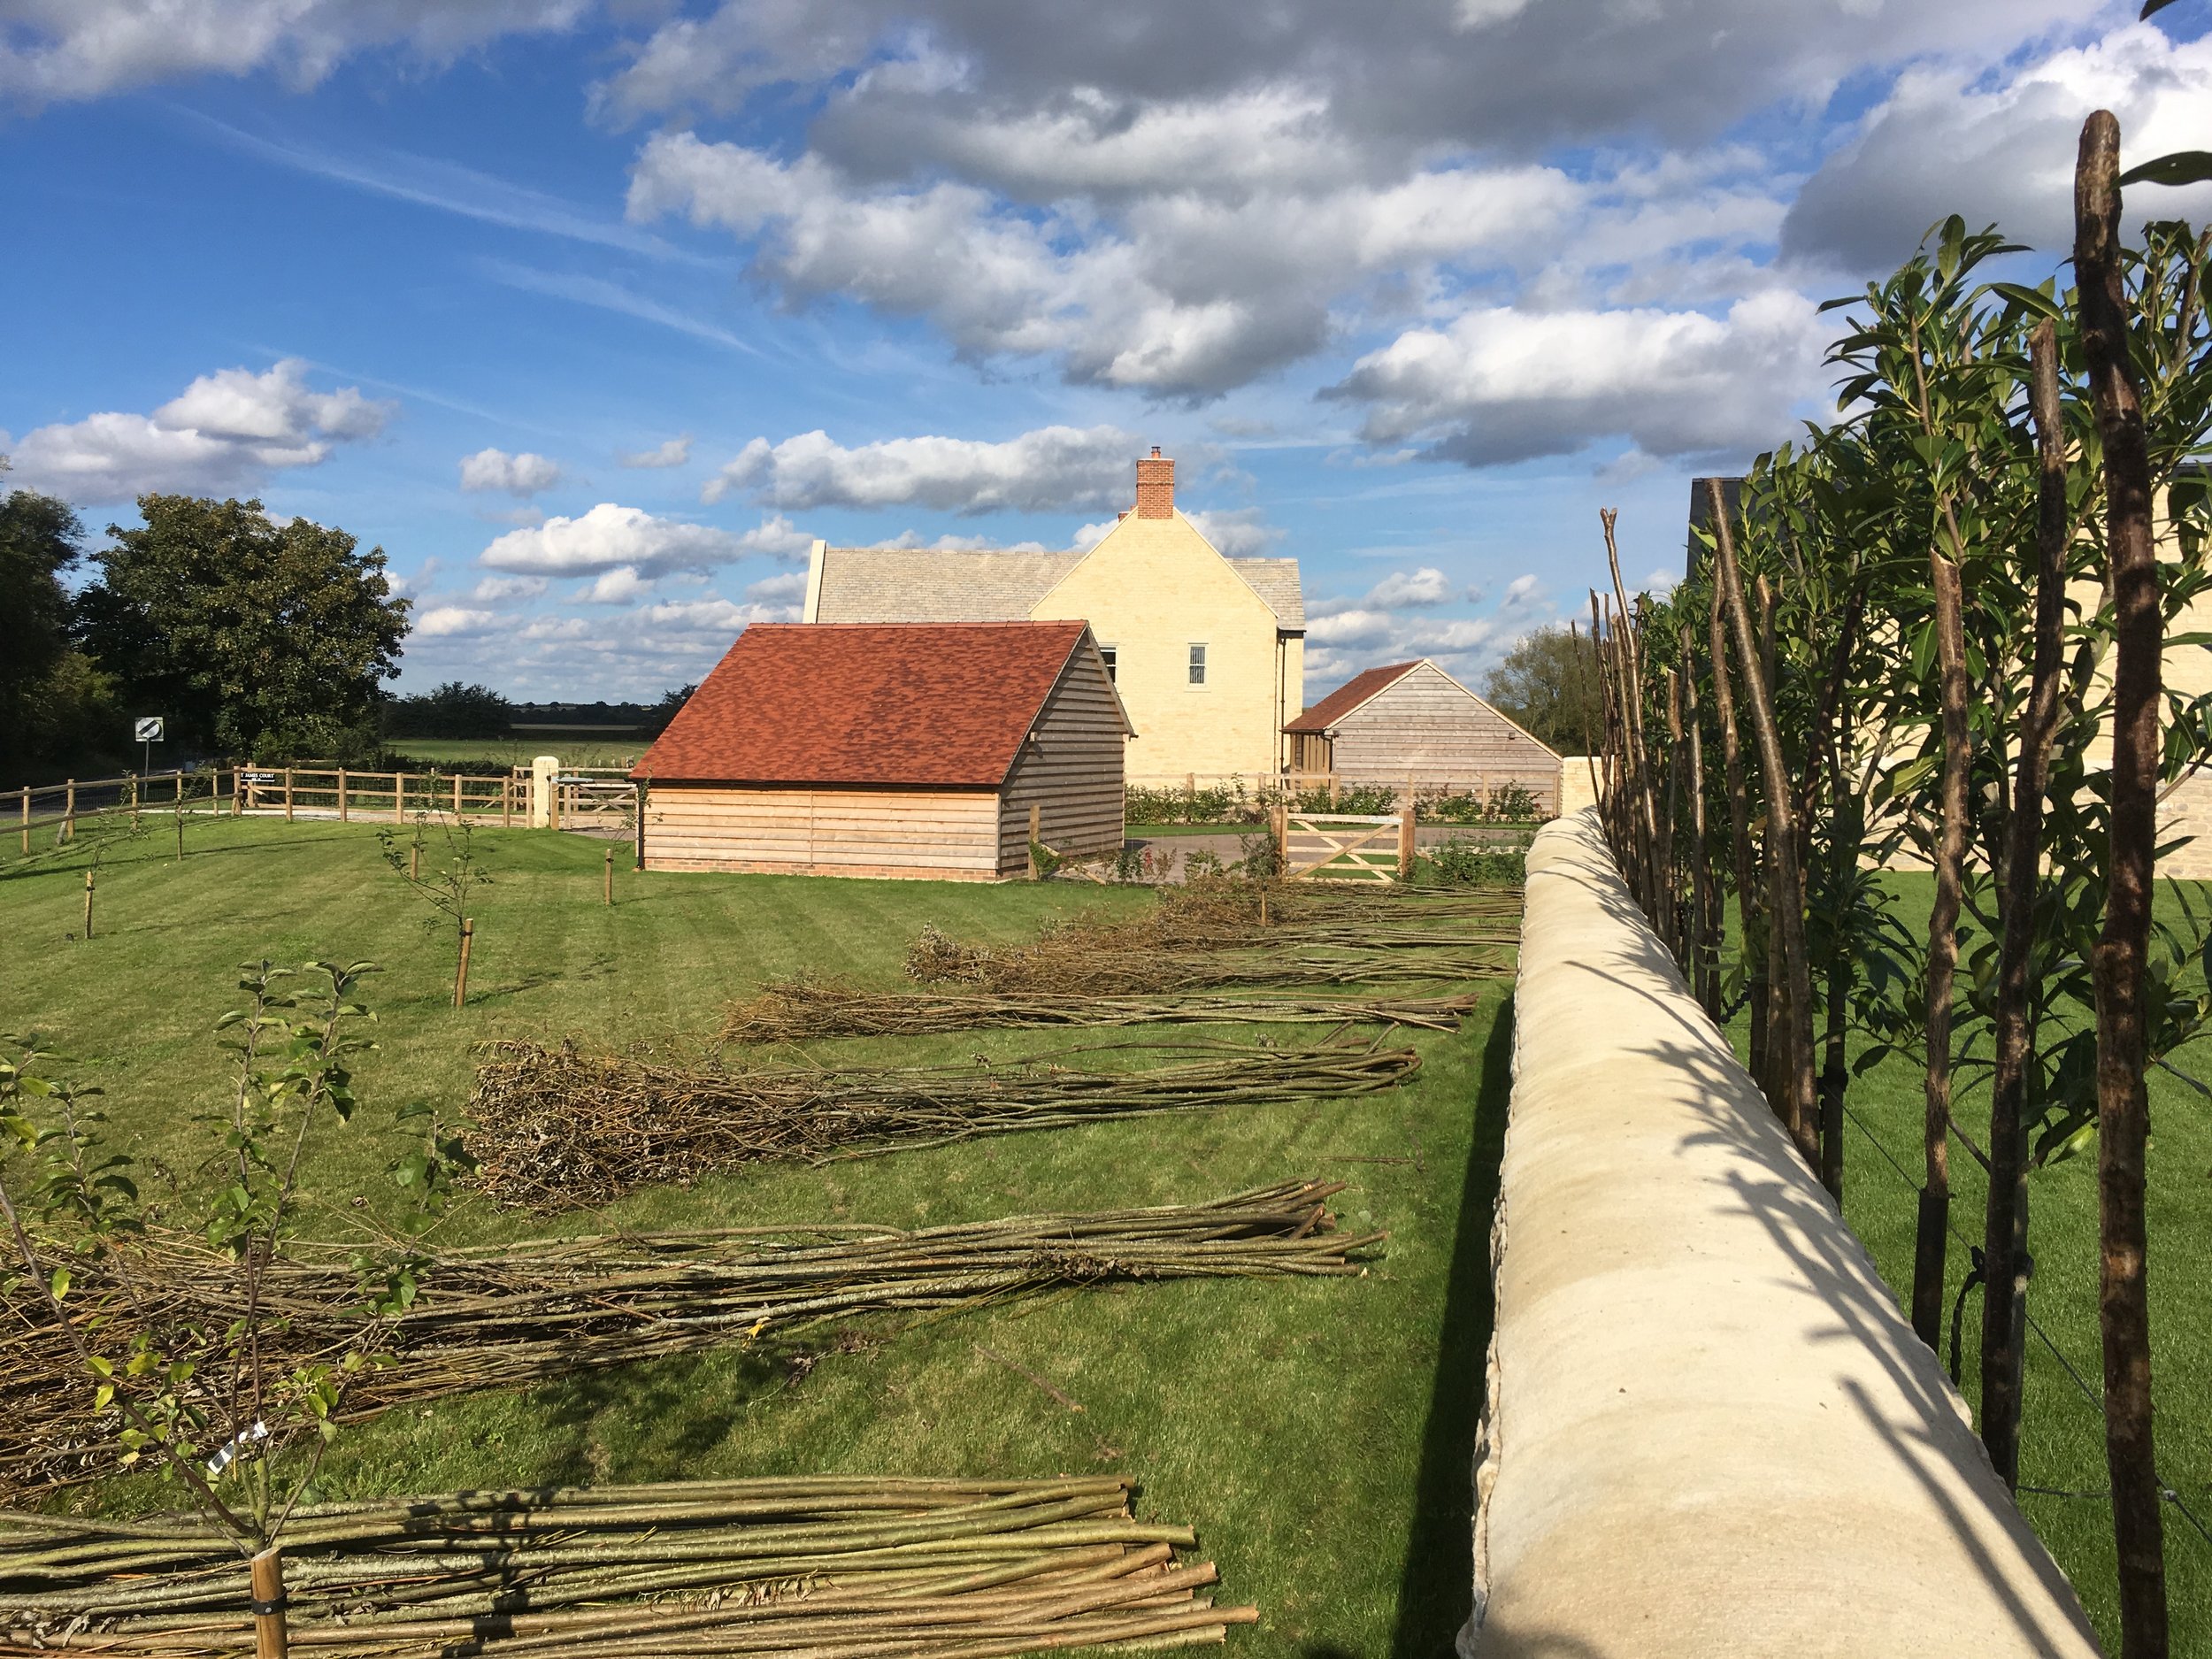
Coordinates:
(580,798)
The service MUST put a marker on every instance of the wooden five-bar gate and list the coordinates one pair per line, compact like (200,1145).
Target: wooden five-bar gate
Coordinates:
(1376,848)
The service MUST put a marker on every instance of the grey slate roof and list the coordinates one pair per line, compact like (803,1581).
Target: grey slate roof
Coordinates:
(1275,580)
(885,584)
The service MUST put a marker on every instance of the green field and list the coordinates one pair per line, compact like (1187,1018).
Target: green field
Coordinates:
(1318,1435)
(2062,1432)
(491,755)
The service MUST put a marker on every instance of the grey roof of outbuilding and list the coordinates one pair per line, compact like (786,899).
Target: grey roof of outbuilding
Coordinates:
(889,584)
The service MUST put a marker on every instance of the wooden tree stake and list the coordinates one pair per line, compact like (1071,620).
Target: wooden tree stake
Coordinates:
(88,904)
(607,885)
(1782,845)
(461,978)
(270,1640)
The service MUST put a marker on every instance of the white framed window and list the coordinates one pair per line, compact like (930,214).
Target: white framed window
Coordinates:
(1197,662)
(1109,652)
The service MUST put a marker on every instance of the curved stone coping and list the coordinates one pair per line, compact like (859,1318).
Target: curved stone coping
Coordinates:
(1709,1431)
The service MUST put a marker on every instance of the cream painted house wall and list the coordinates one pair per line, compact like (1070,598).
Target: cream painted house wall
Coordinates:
(1153,589)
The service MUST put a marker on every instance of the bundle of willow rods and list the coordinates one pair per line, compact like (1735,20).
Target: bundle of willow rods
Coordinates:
(508,1315)
(797,1010)
(1070,965)
(826,1567)
(554,1128)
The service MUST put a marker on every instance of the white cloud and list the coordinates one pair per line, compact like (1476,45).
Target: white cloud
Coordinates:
(1357,626)
(447,621)
(1521,591)
(1498,384)
(674,452)
(2001,149)
(1235,532)
(228,431)
(59,49)
(621,586)
(780,589)
(524,474)
(1186,297)
(609,537)
(495,587)
(1427,585)
(1053,467)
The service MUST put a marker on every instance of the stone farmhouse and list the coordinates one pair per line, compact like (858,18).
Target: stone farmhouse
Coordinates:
(1207,652)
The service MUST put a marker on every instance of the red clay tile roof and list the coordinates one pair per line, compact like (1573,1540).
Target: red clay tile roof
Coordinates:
(1349,696)
(882,703)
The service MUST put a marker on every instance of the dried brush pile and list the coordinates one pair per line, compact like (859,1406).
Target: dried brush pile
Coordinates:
(831,1568)
(1069,962)
(509,1315)
(800,1010)
(557,1129)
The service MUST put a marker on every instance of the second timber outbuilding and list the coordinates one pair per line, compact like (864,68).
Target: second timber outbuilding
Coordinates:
(1412,722)
(908,749)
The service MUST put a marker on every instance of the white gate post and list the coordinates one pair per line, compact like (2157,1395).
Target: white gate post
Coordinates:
(543,769)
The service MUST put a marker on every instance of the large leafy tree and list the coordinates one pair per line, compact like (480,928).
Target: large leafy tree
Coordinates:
(1548,684)
(55,705)
(261,638)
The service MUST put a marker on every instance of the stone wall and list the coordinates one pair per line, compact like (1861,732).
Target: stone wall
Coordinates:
(1709,1430)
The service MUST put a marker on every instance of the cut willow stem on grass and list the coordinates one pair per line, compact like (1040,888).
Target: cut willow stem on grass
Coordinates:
(2122,1108)
(1781,843)
(826,1567)
(2005,1219)
(555,1129)
(800,1010)
(513,1315)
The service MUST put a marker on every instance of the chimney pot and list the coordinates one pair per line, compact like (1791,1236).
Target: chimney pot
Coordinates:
(1156,486)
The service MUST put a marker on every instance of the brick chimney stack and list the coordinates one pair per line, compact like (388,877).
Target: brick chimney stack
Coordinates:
(1156,486)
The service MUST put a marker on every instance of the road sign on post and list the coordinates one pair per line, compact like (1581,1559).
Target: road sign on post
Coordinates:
(146,732)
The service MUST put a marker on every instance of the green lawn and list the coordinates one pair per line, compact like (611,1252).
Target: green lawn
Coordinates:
(2061,1434)
(1317,1435)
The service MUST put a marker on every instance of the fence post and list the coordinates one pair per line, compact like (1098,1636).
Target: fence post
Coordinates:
(288,794)
(1405,842)
(507,802)
(237,791)
(457,797)
(399,797)
(133,799)
(342,794)
(27,818)
(543,769)
(1279,827)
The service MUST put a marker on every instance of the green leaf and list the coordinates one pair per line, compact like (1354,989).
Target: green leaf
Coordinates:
(2184,166)
(2030,299)
(58,1285)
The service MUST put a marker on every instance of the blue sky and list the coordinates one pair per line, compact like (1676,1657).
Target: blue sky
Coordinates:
(1408,291)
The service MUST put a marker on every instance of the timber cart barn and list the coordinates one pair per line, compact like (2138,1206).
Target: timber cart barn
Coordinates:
(1413,723)
(916,749)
